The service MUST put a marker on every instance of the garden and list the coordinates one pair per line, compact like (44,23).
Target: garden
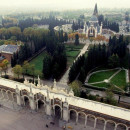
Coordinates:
(102,79)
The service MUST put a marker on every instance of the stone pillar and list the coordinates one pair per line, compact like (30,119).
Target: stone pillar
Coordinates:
(65,111)
(115,127)
(86,117)
(95,123)
(48,105)
(18,96)
(32,102)
(31,99)
(77,116)
(105,125)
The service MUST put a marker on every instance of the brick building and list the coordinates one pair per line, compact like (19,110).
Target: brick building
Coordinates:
(7,51)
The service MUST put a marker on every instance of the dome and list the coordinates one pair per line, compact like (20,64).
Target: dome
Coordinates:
(94,18)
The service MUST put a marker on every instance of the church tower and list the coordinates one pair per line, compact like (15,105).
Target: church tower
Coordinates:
(95,11)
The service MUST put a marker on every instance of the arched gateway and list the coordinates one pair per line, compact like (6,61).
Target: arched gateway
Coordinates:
(62,103)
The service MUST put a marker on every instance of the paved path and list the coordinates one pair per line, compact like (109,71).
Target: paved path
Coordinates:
(64,79)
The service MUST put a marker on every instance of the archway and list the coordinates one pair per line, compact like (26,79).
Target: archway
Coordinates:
(121,127)
(10,96)
(41,105)
(26,101)
(110,125)
(73,115)
(4,94)
(81,118)
(100,123)
(58,111)
(14,97)
(90,120)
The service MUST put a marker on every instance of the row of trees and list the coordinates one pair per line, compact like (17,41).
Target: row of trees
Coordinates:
(107,24)
(51,21)
(24,69)
(110,55)
(35,40)
(54,64)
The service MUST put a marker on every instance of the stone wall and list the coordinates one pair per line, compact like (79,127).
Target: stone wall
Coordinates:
(72,100)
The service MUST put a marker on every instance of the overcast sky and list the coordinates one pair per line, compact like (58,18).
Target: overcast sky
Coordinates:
(67,4)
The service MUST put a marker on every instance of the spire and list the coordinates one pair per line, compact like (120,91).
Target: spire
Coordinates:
(95,11)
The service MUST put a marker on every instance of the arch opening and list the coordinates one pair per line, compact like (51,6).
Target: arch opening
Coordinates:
(100,123)
(110,125)
(121,127)
(26,102)
(81,118)
(73,115)
(58,111)
(90,120)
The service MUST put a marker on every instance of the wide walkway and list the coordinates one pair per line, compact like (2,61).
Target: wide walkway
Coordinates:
(24,120)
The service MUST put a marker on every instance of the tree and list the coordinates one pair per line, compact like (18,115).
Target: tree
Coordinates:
(76,39)
(113,61)
(25,68)
(17,70)
(66,37)
(47,66)
(32,69)
(110,95)
(4,65)
(75,85)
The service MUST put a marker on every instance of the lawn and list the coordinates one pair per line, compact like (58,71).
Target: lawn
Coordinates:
(120,79)
(101,76)
(38,61)
(72,52)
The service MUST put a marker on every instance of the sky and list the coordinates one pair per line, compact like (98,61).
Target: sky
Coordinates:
(65,4)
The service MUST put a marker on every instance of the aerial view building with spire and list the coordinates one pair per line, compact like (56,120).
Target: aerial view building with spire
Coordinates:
(64,66)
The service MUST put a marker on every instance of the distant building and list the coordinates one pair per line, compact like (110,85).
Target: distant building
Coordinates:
(7,51)
(92,28)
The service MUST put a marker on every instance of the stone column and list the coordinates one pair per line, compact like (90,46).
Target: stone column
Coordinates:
(85,121)
(18,96)
(32,103)
(115,127)
(31,99)
(48,105)
(77,116)
(95,123)
(65,111)
(105,125)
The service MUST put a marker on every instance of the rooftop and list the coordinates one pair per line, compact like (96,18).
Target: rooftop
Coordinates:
(2,47)
(94,18)
(10,49)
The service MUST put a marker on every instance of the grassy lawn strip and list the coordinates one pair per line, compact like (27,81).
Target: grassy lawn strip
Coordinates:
(38,61)
(74,46)
(120,79)
(72,52)
(101,76)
